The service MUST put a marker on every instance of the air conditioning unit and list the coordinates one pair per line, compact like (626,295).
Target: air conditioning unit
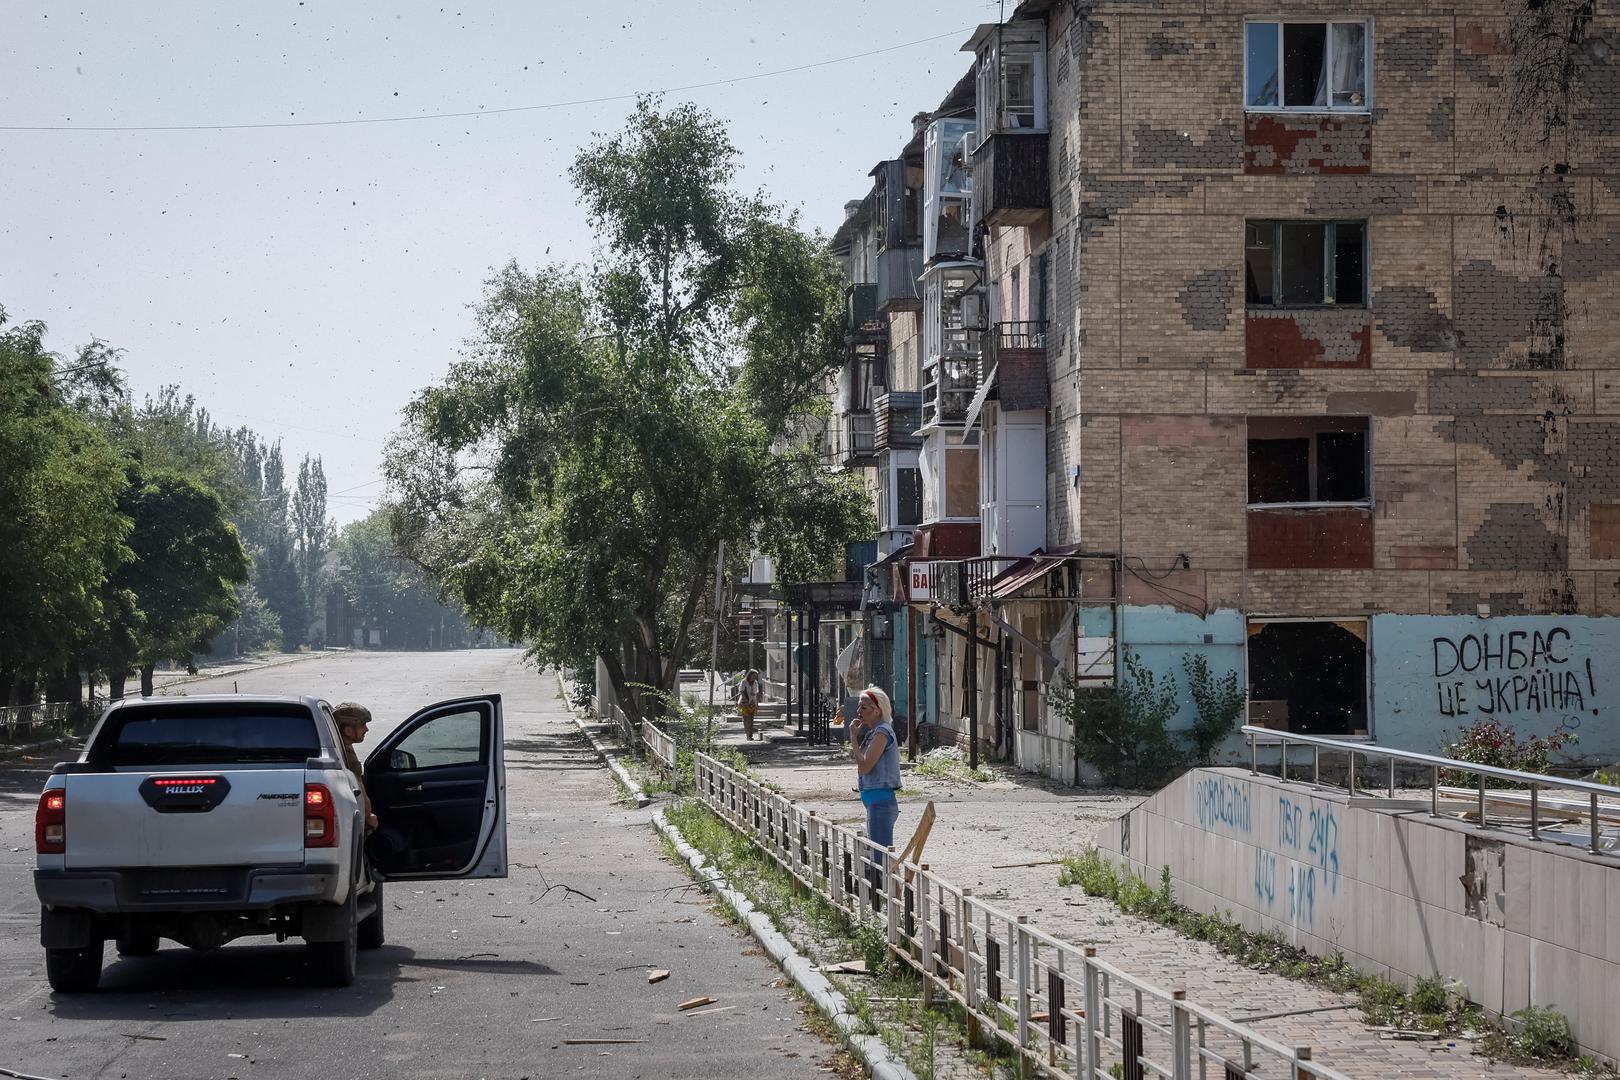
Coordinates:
(973,311)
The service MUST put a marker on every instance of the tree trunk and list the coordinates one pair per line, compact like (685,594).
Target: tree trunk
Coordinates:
(146,679)
(115,684)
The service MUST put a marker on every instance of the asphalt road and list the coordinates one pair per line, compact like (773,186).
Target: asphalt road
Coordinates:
(478,979)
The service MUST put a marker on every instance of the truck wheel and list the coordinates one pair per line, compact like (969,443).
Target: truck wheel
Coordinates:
(332,963)
(371,927)
(137,945)
(74,971)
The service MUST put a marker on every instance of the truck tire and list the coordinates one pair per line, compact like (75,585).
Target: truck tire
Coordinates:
(332,963)
(371,927)
(74,971)
(137,944)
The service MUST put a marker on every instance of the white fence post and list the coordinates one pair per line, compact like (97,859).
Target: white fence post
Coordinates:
(1180,1037)
(1024,979)
(1094,1002)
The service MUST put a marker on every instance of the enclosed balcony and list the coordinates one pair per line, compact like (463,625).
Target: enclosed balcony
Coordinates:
(861,314)
(897,415)
(949,386)
(1010,182)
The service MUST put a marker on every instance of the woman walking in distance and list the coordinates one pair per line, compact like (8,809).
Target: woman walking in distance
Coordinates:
(749,693)
(876,752)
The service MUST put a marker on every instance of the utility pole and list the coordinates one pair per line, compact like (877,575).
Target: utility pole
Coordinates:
(714,633)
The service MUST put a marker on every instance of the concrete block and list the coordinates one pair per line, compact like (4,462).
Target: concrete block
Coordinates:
(1611,918)
(1555,976)
(1515,972)
(1568,902)
(1517,889)
(1543,897)
(1592,1014)
(1592,880)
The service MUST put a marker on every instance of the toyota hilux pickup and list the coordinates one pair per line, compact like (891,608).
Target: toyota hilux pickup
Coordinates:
(205,819)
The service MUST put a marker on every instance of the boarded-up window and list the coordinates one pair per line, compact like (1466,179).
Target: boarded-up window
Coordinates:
(1309,677)
(1603,528)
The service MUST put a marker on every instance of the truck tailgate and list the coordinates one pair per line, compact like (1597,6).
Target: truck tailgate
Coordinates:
(247,817)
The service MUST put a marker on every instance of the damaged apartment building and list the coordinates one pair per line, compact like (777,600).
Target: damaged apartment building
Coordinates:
(1284,338)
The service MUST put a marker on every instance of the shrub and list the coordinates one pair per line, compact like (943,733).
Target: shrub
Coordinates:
(1491,742)
(1219,703)
(1123,731)
(1545,1034)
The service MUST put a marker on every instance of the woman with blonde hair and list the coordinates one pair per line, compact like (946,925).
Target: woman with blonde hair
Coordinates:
(876,753)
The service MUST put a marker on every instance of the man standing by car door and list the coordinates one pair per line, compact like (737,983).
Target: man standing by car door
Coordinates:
(353,719)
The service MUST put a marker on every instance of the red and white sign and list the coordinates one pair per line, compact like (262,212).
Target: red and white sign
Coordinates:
(918,574)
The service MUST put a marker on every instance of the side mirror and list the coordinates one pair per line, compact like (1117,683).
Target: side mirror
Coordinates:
(401,759)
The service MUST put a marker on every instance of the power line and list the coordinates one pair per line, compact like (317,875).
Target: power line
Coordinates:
(481,112)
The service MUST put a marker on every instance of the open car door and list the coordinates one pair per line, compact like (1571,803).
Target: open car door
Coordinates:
(438,787)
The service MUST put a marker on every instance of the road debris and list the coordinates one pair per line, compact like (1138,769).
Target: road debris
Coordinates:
(695,1003)
(657,975)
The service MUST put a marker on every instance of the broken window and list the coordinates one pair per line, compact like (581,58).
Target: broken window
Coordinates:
(1305,263)
(1311,66)
(1308,459)
(1309,676)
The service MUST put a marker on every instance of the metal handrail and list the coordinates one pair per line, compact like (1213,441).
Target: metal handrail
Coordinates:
(1536,782)
(1058,1005)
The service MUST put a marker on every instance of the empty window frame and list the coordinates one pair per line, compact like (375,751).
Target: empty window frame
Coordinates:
(1291,264)
(1299,460)
(1308,676)
(1307,66)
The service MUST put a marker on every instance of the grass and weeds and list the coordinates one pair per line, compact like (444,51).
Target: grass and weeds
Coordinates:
(1541,1035)
(931,1039)
(951,768)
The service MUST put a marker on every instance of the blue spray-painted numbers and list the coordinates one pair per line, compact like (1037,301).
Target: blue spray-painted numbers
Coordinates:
(1302,895)
(1222,802)
(1324,845)
(1265,876)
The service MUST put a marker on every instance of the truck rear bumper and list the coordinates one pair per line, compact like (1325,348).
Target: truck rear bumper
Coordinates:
(230,888)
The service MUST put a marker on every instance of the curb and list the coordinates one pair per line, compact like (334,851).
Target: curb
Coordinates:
(202,675)
(641,797)
(10,752)
(882,1064)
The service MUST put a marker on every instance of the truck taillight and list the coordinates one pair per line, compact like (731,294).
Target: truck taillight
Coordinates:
(320,817)
(50,823)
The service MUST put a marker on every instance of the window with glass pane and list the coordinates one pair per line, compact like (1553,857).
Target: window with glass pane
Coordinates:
(452,739)
(1018,92)
(1313,66)
(1349,64)
(1260,267)
(1305,263)
(1263,66)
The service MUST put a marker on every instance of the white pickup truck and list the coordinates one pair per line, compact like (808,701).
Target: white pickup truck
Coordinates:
(204,819)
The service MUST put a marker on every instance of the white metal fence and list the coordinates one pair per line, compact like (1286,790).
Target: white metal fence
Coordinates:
(1065,1010)
(660,745)
(34,723)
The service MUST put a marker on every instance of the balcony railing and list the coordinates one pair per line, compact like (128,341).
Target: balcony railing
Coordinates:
(851,439)
(898,416)
(948,389)
(1016,351)
(1010,181)
(861,310)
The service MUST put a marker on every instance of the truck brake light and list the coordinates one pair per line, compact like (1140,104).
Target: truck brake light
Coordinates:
(320,817)
(50,823)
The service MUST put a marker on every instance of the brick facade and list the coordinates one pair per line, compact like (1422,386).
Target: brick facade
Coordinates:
(1487,354)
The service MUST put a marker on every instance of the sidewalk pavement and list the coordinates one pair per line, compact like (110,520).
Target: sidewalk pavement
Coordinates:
(982,832)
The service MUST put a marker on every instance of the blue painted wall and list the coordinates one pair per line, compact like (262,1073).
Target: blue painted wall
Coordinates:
(1162,636)
(1434,674)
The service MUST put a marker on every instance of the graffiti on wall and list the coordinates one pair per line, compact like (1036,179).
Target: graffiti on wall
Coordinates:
(1433,674)
(1222,802)
(1308,840)
(1512,672)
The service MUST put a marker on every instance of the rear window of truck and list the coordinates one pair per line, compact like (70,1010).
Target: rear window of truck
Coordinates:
(205,733)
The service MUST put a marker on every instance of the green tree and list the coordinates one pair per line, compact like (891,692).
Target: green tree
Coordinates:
(386,590)
(312,535)
(572,481)
(188,562)
(60,529)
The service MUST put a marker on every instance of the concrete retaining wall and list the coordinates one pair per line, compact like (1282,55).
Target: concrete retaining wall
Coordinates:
(1399,893)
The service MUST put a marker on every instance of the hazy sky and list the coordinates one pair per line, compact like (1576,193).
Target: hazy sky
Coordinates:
(306,281)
